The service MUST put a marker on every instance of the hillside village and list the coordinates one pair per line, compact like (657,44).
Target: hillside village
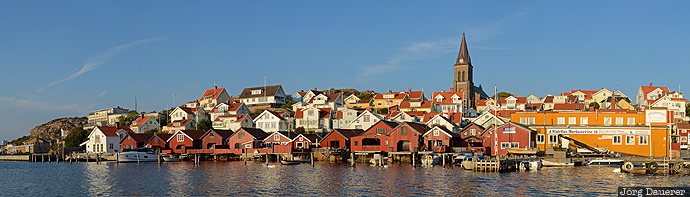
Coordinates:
(462,118)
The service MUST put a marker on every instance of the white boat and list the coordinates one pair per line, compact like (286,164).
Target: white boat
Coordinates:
(531,165)
(547,163)
(605,162)
(135,156)
(169,158)
(431,160)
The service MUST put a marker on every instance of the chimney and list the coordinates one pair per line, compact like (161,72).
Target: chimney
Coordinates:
(613,102)
(314,89)
(409,90)
(650,84)
(215,87)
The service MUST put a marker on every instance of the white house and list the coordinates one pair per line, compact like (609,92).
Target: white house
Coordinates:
(365,120)
(448,102)
(674,102)
(263,95)
(271,121)
(144,123)
(648,94)
(440,120)
(213,97)
(343,117)
(233,122)
(314,119)
(228,109)
(105,139)
(185,113)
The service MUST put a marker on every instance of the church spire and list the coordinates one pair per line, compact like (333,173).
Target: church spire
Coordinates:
(463,55)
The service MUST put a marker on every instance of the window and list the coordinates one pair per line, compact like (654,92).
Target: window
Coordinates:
(540,139)
(619,120)
(276,137)
(531,121)
(110,146)
(561,120)
(436,132)
(366,118)
(617,140)
(439,99)
(240,135)
(473,131)
(607,121)
(631,120)
(180,137)
(356,143)
(403,131)
(553,139)
(385,143)
(505,145)
(310,113)
(572,120)
(643,140)
(237,145)
(380,130)
(584,120)
(210,135)
(155,140)
(523,120)
(629,140)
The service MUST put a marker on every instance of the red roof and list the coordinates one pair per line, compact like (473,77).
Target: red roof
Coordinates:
(140,121)
(396,95)
(429,116)
(276,114)
(112,131)
(212,93)
(548,99)
(182,122)
(138,137)
(569,107)
(407,104)
(481,102)
(647,89)
(417,95)
(588,93)
(447,97)
(194,134)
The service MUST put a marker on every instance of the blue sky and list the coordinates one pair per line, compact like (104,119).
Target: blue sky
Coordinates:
(66,58)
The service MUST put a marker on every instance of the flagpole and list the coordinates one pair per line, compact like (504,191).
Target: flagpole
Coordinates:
(496,117)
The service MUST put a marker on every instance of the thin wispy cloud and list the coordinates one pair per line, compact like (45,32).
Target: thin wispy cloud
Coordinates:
(34,105)
(102,94)
(97,61)
(420,50)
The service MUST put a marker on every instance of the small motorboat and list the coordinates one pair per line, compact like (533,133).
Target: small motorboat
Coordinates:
(137,155)
(547,163)
(514,151)
(531,165)
(285,162)
(605,162)
(303,160)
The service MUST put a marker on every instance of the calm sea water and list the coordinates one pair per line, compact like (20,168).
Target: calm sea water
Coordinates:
(254,179)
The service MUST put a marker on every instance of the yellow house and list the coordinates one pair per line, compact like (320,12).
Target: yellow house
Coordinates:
(390,99)
(621,131)
(354,102)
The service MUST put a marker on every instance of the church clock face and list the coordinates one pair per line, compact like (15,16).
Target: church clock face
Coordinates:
(462,61)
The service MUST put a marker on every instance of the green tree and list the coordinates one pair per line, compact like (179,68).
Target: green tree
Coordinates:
(504,94)
(163,119)
(383,111)
(300,130)
(594,105)
(204,124)
(364,95)
(687,109)
(288,105)
(152,131)
(76,137)
(126,120)
(20,140)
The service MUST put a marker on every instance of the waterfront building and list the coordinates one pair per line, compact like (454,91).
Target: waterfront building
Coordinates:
(443,120)
(684,133)
(134,140)
(246,138)
(186,113)
(103,139)
(272,96)
(440,139)
(280,141)
(365,120)
(340,138)
(675,103)
(471,136)
(182,140)
(176,125)
(144,123)
(375,138)
(215,139)
(496,140)
(343,118)
(158,142)
(305,142)
(407,137)
(643,133)
(271,121)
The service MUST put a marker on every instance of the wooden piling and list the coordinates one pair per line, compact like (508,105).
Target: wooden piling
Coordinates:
(444,160)
(87,157)
(352,158)
(413,159)
(117,158)
(312,159)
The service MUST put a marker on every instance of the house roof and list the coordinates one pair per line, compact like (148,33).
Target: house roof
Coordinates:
(312,137)
(569,107)
(407,104)
(396,95)
(348,133)
(138,137)
(684,125)
(140,121)
(447,97)
(163,136)
(480,102)
(267,90)
(212,93)
(182,122)
(429,116)
(333,97)
(235,106)
(223,133)
(194,134)
(444,129)
(256,133)
(417,95)
(647,89)
(112,131)
(418,127)
(548,99)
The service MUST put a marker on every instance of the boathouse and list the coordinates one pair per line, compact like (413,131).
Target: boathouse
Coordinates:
(134,140)
(280,142)
(182,140)
(441,140)
(507,136)
(407,137)
(340,138)
(158,142)
(246,138)
(374,139)
(215,138)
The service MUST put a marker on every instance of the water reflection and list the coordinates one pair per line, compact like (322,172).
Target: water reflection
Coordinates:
(254,179)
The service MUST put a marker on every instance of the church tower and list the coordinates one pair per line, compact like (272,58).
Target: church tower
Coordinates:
(462,70)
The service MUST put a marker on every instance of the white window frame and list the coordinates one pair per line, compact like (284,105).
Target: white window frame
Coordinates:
(541,138)
(620,140)
(619,121)
(560,120)
(437,132)
(554,141)
(276,137)
(572,120)
(608,121)
(180,138)
(640,139)
(628,138)
(631,120)
(584,120)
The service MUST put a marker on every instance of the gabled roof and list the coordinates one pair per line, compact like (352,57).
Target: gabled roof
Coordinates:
(234,106)
(267,91)
(647,89)
(223,133)
(347,133)
(112,131)
(140,121)
(417,95)
(191,134)
(396,95)
(418,127)
(313,138)
(407,104)
(182,122)
(333,97)
(447,97)
(256,133)
(212,93)
(569,107)
(138,137)
(163,136)
(445,131)
(272,113)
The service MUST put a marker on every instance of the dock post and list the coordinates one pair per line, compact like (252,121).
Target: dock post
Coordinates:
(267,159)
(352,158)
(98,158)
(42,158)
(137,158)
(117,158)
(312,159)
(159,159)
(245,156)
(87,157)
(444,159)
(413,159)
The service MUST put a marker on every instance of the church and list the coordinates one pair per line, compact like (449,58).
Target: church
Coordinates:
(463,77)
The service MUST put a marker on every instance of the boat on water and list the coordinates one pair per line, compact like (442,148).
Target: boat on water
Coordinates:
(548,163)
(168,158)
(605,162)
(285,162)
(137,155)
(531,164)
(514,151)
(431,159)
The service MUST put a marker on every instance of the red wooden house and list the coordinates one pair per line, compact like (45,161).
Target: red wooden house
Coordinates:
(373,139)
(134,140)
(158,142)
(305,142)
(507,136)
(340,138)
(407,137)
(183,140)
(471,137)
(215,138)
(280,142)
(246,138)
(439,139)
